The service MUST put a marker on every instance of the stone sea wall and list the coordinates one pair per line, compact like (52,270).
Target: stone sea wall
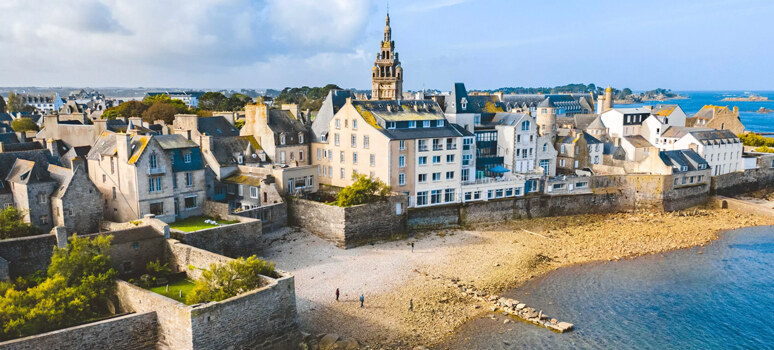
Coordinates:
(133,331)
(733,184)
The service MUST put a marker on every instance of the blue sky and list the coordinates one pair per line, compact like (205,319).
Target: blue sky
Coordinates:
(683,45)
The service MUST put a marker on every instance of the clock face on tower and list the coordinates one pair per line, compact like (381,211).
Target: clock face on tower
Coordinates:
(387,74)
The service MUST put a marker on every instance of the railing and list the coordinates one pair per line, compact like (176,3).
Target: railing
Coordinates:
(487,180)
(451,147)
(156,171)
(437,148)
(422,148)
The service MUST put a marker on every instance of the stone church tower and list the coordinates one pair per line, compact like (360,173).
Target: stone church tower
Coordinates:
(387,74)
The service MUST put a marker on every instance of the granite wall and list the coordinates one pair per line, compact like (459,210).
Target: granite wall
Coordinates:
(234,240)
(742,182)
(27,254)
(133,331)
(349,227)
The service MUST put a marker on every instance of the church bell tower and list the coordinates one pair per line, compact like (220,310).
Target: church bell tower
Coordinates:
(387,74)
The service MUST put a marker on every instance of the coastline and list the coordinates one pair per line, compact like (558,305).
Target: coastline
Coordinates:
(494,258)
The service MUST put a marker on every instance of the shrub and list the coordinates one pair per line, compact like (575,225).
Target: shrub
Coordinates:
(363,190)
(24,124)
(223,281)
(79,283)
(12,224)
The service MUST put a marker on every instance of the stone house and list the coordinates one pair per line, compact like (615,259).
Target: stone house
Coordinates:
(718,118)
(148,174)
(282,133)
(76,203)
(722,149)
(578,150)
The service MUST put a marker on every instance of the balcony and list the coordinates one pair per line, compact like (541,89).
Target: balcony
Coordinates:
(156,171)
(422,148)
(437,148)
(451,146)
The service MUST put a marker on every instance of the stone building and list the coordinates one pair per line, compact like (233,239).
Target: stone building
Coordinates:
(282,133)
(76,203)
(148,174)
(577,151)
(722,149)
(718,118)
(387,74)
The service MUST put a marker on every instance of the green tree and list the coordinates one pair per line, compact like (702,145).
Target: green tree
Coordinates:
(15,103)
(24,124)
(12,224)
(79,284)
(223,281)
(2,104)
(211,100)
(160,111)
(363,190)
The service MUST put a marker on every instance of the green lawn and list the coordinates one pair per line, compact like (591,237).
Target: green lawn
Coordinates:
(184,285)
(196,223)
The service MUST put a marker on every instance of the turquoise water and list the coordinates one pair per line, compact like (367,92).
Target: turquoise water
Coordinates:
(752,121)
(720,299)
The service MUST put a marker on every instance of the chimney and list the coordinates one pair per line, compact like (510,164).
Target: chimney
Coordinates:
(137,121)
(293,108)
(100,125)
(76,163)
(123,146)
(205,142)
(736,110)
(51,146)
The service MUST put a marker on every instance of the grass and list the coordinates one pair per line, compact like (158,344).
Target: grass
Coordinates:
(196,223)
(185,285)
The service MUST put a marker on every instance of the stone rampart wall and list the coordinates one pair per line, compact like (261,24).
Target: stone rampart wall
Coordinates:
(737,183)
(180,256)
(173,318)
(351,226)
(272,216)
(134,331)
(27,254)
(235,240)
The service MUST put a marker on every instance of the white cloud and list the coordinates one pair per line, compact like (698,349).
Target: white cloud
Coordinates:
(79,41)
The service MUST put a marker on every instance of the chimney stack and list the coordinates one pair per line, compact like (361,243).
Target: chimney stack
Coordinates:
(123,146)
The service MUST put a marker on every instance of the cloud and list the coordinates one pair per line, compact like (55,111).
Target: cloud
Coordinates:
(426,6)
(57,39)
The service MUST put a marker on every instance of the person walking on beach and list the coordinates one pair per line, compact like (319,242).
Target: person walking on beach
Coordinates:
(411,305)
(337,294)
(362,299)
(412,247)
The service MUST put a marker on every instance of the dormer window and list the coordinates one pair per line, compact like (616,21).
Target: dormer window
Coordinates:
(187,157)
(412,124)
(426,124)
(240,159)
(282,139)
(439,123)
(390,125)
(464,103)
(684,168)
(300,137)
(525,125)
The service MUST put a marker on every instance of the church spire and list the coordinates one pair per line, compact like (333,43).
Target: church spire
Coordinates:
(387,30)
(387,74)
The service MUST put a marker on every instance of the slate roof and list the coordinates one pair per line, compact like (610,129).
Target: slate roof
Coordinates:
(378,113)
(462,130)
(590,139)
(27,171)
(282,121)
(9,137)
(244,179)
(174,141)
(572,103)
(474,104)
(224,148)
(638,141)
(216,126)
(546,103)
(63,176)
(331,105)
(39,156)
(596,124)
(633,110)
(504,118)
(701,134)
(683,158)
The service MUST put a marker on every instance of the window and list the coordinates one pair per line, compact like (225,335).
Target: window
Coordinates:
(114,193)
(499,193)
(188,179)
(465,174)
(354,157)
(319,154)
(154,184)
(435,196)
(448,195)
(104,177)
(561,162)
(525,125)
(187,157)
(545,147)
(477,195)
(401,179)
(517,191)
(422,198)
(426,124)
(391,125)
(112,165)
(353,142)
(466,159)
(449,175)
(300,155)
(575,163)
(300,138)
(412,124)
(153,162)
(402,161)
(422,178)
(468,196)
(436,159)
(341,156)
(450,144)
(373,160)
(422,145)
(338,123)
(436,176)
(42,198)
(354,124)
(366,141)
(253,192)
(346,123)
(518,138)
(336,139)
(402,145)
(437,146)
(282,157)
(190,202)
(439,123)
(423,160)
(240,190)
(342,173)
(282,139)
(157,208)
(581,184)
(449,158)
(330,171)
(562,149)
(126,266)
(509,192)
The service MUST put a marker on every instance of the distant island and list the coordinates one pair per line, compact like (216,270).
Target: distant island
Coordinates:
(764,110)
(751,98)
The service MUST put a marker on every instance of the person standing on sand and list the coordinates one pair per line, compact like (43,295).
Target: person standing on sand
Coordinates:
(337,294)
(362,299)
(412,247)
(411,305)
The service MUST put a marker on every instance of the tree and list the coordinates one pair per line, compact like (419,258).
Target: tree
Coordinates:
(2,104)
(160,111)
(24,124)
(12,224)
(223,281)
(15,103)
(211,100)
(79,284)
(363,190)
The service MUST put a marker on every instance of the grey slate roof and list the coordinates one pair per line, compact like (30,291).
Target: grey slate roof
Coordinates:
(40,156)
(282,121)
(462,130)
(63,176)
(701,134)
(546,103)
(174,141)
(678,159)
(224,148)
(27,171)
(216,126)
(331,105)
(590,139)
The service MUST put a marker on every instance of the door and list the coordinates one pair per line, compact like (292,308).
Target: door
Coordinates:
(177,208)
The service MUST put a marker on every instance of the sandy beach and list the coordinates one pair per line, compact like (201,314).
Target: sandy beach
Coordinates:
(493,257)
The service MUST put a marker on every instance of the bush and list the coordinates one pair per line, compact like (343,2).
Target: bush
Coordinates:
(223,281)
(12,224)
(363,190)
(24,124)
(79,283)
(756,140)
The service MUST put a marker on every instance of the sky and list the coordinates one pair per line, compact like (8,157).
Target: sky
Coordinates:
(487,44)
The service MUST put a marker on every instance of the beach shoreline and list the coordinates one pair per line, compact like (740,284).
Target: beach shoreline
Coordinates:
(494,258)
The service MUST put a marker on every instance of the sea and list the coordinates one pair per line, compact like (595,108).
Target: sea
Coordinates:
(720,296)
(752,120)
